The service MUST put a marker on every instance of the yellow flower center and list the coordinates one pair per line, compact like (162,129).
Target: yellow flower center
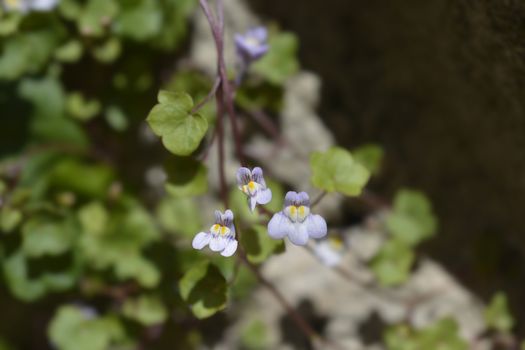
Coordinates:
(220,230)
(297,213)
(250,188)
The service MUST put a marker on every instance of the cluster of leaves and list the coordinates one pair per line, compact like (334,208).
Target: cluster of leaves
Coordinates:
(80,220)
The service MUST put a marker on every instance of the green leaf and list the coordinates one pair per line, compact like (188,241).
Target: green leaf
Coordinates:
(129,230)
(96,17)
(116,118)
(30,288)
(186,177)
(204,288)
(179,216)
(412,219)
(9,23)
(49,122)
(255,336)
(80,108)
(175,23)
(69,9)
(258,245)
(171,119)
(146,309)
(109,51)
(94,218)
(497,314)
(9,218)
(442,335)
(336,170)
(76,328)
(26,53)
(392,264)
(281,60)
(370,156)
(139,20)
(42,236)
(82,179)
(70,51)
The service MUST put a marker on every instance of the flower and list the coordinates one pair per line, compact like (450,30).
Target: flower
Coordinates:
(253,185)
(330,251)
(28,5)
(220,237)
(252,45)
(296,221)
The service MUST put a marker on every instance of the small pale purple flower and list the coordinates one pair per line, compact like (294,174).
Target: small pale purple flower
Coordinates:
(252,45)
(296,221)
(29,5)
(220,237)
(330,251)
(253,185)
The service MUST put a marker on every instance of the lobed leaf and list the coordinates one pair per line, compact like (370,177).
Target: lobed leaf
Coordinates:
(336,170)
(172,120)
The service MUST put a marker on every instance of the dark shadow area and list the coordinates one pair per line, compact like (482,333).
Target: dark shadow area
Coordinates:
(439,84)
(372,329)
(291,334)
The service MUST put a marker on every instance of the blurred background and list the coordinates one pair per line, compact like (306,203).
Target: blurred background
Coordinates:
(437,85)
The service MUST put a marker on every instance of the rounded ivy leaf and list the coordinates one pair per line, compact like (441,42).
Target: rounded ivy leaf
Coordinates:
(146,309)
(172,120)
(336,170)
(497,314)
(412,219)
(80,328)
(203,287)
(371,156)
(392,264)
(259,246)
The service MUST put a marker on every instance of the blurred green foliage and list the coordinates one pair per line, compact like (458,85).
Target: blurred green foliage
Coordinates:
(96,218)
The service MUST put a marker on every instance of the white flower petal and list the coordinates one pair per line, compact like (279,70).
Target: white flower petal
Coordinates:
(201,240)
(227,218)
(252,201)
(299,236)
(303,199)
(257,175)
(217,243)
(327,254)
(290,198)
(231,247)
(243,174)
(279,226)
(315,226)
(264,196)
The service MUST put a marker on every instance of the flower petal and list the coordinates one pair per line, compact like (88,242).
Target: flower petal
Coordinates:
(218,217)
(299,236)
(217,243)
(257,176)
(315,226)
(201,240)
(252,201)
(259,33)
(231,247)
(303,199)
(279,226)
(290,198)
(227,218)
(326,254)
(264,196)
(243,176)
